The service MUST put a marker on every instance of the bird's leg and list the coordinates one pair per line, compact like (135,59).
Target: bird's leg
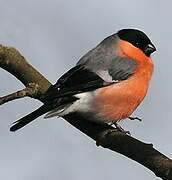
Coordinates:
(134,118)
(120,128)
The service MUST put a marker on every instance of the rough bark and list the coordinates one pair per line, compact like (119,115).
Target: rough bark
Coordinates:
(36,86)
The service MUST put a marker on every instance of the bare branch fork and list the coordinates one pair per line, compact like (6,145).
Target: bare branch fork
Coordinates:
(36,86)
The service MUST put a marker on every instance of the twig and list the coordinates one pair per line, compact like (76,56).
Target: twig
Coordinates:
(30,91)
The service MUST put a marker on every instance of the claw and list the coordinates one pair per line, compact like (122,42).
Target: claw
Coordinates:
(134,118)
(121,129)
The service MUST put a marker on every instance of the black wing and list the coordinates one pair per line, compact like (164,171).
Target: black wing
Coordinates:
(77,80)
(78,75)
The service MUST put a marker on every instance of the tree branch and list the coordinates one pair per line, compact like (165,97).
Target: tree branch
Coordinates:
(106,136)
(13,62)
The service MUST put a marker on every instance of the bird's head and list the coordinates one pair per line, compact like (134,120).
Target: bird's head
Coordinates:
(138,39)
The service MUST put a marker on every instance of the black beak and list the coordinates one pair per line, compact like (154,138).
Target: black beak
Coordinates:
(149,49)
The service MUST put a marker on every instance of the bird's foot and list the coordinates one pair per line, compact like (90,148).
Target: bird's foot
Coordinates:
(118,127)
(135,118)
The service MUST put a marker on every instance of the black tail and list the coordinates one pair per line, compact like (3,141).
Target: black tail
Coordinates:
(29,118)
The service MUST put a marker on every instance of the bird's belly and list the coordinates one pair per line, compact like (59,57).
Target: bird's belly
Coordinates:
(117,102)
(82,105)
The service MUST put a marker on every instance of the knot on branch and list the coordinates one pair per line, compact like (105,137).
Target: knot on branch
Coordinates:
(32,90)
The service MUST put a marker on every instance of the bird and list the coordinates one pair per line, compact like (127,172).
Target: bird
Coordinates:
(106,85)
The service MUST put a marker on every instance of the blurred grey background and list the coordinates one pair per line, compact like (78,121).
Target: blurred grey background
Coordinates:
(52,35)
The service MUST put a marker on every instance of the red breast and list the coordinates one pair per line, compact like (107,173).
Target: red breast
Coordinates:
(119,100)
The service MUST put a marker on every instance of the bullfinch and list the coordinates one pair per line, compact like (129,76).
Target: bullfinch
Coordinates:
(106,85)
